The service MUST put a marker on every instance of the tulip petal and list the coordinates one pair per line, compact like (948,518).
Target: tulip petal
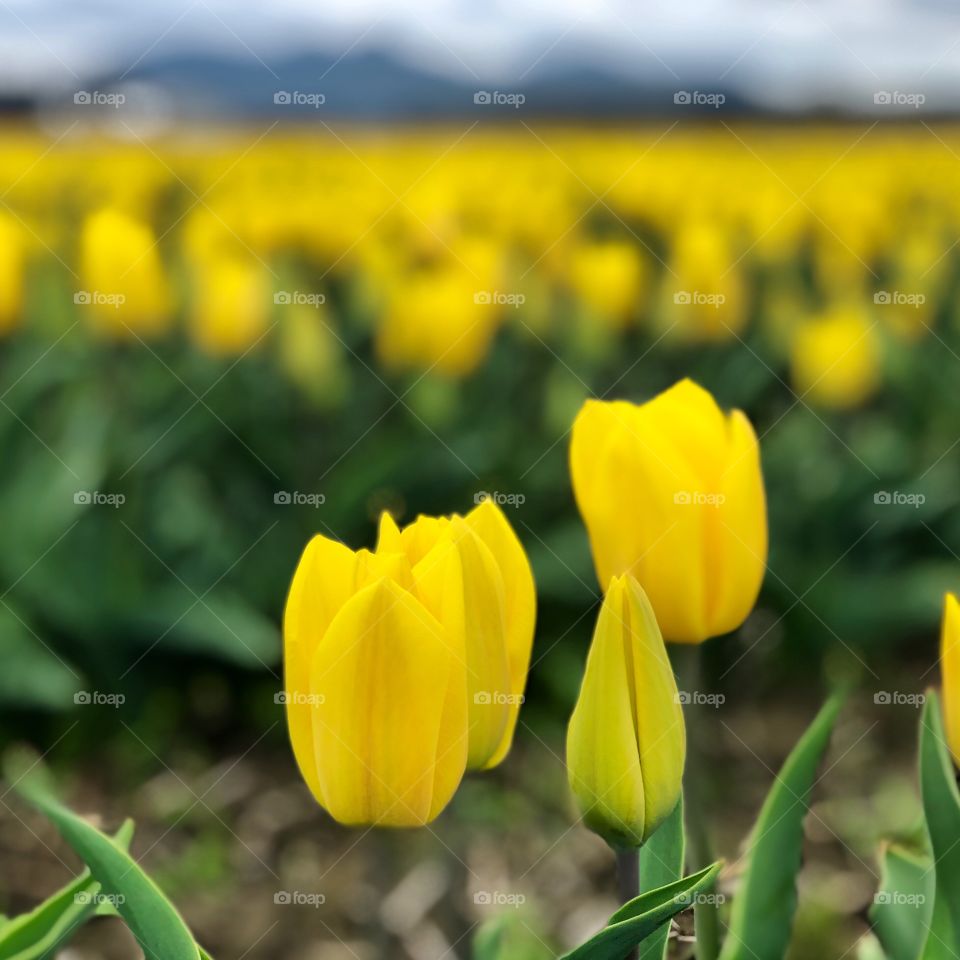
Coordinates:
(661,733)
(520,605)
(738,538)
(388,539)
(382,672)
(950,670)
(323,582)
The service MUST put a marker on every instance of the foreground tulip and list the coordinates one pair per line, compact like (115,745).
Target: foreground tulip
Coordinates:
(671,492)
(405,666)
(626,743)
(950,668)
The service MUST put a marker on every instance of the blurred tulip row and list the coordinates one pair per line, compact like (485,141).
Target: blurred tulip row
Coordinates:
(840,241)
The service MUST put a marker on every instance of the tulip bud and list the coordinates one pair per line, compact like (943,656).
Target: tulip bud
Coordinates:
(950,667)
(671,492)
(626,742)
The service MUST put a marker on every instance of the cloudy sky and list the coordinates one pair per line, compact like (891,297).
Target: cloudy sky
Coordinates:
(778,53)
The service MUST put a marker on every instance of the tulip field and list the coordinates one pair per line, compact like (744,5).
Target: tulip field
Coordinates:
(476,541)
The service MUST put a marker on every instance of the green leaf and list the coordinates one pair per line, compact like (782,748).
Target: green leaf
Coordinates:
(902,907)
(151,917)
(642,916)
(941,808)
(34,675)
(35,935)
(661,863)
(763,908)
(508,936)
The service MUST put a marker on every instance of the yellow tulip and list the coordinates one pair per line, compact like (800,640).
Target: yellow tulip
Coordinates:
(609,278)
(950,667)
(11,273)
(125,283)
(405,666)
(626,742)
(230,313)
(834,360)
(671,492)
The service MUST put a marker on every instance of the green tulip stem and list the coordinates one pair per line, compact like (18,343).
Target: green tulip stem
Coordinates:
(628,879)
(706,918)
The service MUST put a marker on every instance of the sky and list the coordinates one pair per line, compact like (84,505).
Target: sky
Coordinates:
(786,53)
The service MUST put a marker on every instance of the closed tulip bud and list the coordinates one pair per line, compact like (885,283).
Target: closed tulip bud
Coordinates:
(405,666)
(626,742)
(950,668)
(671,492)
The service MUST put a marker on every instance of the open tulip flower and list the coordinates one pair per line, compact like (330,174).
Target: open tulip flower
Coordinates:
(626,742)
(671,492)
(405,666)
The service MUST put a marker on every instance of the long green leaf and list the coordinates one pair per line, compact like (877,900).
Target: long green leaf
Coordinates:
(763,908)
(642,916)
(941,808)
(35,935)
(661,863)
(902,907)
(151,917)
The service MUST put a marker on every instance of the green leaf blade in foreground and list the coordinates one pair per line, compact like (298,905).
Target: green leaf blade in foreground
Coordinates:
(941,808)
(35,935)
(763,908)
(661,863)
(152,919)
(901,909)
(642,916)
